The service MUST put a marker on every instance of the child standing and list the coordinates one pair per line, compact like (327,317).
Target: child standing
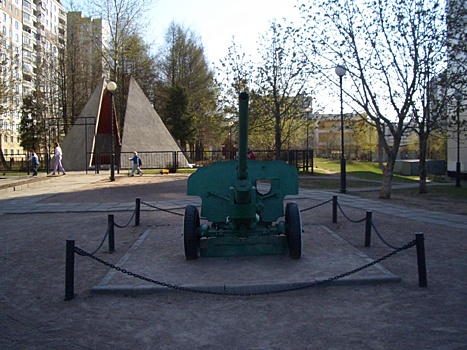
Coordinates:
(136,164)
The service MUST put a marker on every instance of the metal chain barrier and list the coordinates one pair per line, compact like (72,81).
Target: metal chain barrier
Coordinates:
(81,252)
(372,225)
(129,221)
(354,221)
(381,237)
(103,240)
(166,210)
(316,206)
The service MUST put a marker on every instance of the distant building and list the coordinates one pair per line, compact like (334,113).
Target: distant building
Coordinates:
(360,141)
(87,40)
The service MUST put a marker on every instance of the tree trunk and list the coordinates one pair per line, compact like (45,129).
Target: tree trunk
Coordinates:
(422,173)
(386,186)
(277,138)
(388,170)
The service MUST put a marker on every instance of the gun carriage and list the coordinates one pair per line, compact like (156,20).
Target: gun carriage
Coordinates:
(244,219)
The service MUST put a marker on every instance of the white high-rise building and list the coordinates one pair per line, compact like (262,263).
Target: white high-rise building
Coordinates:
(11,74)
(32,34)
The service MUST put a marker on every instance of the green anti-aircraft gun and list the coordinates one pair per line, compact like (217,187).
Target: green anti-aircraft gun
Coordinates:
(243,218)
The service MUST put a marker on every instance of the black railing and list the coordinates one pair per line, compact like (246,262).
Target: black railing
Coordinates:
(171,160)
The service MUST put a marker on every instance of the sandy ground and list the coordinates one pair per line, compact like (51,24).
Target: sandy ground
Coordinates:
(34,314)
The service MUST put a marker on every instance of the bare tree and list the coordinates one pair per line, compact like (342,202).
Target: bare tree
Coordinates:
(442,65)
(125,20)
(277,84)
(380,42)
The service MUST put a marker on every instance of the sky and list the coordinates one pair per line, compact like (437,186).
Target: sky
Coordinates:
(216,21)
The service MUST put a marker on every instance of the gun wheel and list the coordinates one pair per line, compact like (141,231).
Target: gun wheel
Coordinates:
(294,230)
(190,236)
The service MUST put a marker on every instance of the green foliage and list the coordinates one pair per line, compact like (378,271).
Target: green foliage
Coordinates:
(176,114)
(185,74)
(29,128)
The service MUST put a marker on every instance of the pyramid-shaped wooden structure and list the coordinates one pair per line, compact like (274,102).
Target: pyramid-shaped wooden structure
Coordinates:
(144,132)
(88,143)
(89,140)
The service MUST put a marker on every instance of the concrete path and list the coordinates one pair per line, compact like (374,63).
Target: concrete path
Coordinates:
(24,195)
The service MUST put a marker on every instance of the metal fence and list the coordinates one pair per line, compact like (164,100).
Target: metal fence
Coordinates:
(171,160)
(21,163)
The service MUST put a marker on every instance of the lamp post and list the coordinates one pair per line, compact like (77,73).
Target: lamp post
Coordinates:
(307,111)
(340,71)
(111,87)
(34,134)
(230,140)
(458,96)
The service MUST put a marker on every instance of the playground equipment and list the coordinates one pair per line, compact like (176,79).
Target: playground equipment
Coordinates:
(243,216)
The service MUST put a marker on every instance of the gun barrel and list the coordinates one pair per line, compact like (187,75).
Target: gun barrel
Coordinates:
(243,135)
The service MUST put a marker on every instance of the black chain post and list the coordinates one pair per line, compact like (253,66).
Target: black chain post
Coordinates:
(420,242)
(111,233)
(334,209)
(368,228)
(70,270)
(137,211)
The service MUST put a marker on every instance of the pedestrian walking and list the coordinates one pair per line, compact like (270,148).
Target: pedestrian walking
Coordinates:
(136,164)
(58,160)
(34,161)
(250,154)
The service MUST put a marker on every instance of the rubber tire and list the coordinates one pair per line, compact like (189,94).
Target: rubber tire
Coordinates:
(294,230)
(190,232)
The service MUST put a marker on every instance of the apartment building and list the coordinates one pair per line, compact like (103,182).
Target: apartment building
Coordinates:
(11,74)
(32,33)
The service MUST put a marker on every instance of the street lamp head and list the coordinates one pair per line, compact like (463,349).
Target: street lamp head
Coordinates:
(340,70)
(308,109)
(111,86)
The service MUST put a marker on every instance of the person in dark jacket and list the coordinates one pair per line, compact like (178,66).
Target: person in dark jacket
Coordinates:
(34,162)
(136,164)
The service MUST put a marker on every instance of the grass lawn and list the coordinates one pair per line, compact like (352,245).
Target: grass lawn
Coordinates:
(365,174)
